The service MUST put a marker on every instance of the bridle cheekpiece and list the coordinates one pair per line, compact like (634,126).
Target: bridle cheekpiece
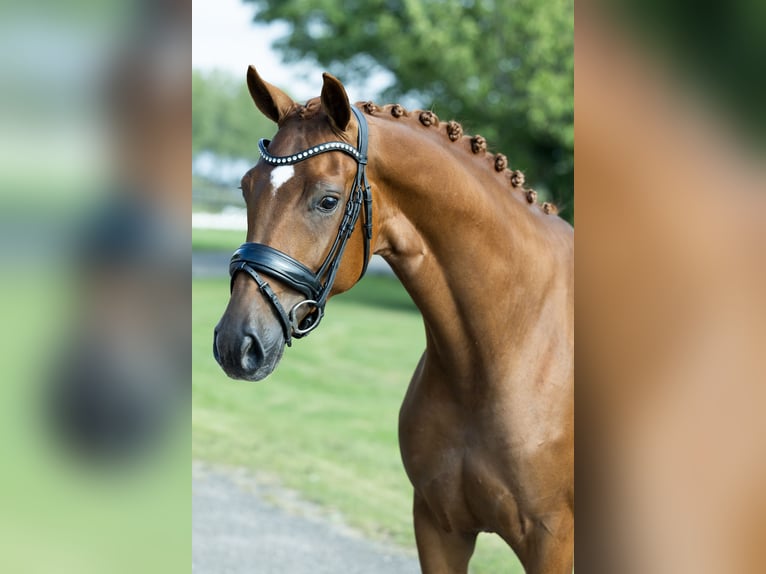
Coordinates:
(253,258)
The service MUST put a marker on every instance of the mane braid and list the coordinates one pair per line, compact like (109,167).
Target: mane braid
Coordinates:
(454,132)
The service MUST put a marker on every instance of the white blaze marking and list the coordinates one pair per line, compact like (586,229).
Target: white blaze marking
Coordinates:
(279,176)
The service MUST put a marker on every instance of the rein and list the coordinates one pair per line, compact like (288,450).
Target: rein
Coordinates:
(253,258)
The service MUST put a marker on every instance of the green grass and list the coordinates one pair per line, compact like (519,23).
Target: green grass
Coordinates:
(325,423)
(216,239)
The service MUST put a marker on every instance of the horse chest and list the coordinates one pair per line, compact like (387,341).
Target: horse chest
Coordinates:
(452,466)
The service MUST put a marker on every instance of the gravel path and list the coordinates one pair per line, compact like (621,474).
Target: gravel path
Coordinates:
(244,525)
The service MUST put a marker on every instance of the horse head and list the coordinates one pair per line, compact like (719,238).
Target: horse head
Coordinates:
(304,197)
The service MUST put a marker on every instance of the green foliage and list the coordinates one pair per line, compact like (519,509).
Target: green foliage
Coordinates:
(224,118)
(505,69)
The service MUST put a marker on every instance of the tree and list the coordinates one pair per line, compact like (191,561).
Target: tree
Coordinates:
(505,69)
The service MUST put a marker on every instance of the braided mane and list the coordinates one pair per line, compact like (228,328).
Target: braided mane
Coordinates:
(454,132)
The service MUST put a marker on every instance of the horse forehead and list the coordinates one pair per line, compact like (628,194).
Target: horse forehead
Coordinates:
(297,133)
(279,176)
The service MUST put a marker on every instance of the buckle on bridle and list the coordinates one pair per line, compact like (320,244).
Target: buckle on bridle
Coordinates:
(309,322)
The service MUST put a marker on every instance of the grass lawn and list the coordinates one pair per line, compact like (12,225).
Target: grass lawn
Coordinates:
(325,423)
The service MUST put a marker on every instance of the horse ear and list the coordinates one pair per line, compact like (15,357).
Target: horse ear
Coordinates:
(335,102)
(273,102)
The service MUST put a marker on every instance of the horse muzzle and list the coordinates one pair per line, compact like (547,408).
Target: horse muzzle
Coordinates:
(246,354)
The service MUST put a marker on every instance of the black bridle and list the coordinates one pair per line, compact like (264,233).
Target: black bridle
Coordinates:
(257,257)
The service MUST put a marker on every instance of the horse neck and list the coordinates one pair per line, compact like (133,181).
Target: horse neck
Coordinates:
(476,258)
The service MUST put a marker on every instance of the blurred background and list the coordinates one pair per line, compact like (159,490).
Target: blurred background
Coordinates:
(670,314)
(94,286)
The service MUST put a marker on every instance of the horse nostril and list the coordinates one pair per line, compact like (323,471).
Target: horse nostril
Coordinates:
(216,355)
(253,354)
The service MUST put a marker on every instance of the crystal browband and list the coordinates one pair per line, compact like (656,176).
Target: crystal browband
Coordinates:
(263,145)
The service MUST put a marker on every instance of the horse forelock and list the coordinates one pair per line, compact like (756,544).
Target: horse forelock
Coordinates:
(309,110)
(305,125)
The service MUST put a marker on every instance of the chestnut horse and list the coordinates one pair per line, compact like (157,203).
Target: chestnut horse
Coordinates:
(486,428)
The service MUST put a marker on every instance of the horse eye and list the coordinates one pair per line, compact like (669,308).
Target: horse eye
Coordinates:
(328,203)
